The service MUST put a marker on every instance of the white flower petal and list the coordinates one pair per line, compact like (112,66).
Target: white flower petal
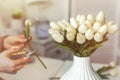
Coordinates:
(28,22)
(62,25)
(110,23)
(90,18)
(88,23)
(89,34)
(96,26)
(71,30)
(78,18)
(112,29)
(54,25)
(82,19)
(113,64)
(70,36)
(58,38)
(53,31)
(103,29)
(83,28)
(73,23)
(66,23)
(80,38)
(98,37)
(100,17)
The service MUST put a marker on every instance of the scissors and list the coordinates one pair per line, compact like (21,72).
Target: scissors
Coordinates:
(30,53)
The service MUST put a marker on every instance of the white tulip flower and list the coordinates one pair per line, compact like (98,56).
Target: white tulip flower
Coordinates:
(28,22)
(80,38)
(71,30)
(89,34)
(114,72)
(58,38)
(70,36)
(98,37)
(88,23)
(113,64)
(83,28)
(53,31)
(100,17)
(112,29)
(55,26)
(73,23)
(91,18)
(66,23)
(82,19)
(62,25)
(96,26)
(103,29)
(78,18)
(110,23)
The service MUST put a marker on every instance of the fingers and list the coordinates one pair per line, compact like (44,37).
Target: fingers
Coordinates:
(10,51)
(21,40)
(19,67)
(21,61)
(13,70)
(23,37)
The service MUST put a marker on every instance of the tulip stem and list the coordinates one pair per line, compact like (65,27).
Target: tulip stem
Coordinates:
(30,47)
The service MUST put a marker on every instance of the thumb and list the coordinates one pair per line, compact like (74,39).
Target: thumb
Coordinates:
(20,40)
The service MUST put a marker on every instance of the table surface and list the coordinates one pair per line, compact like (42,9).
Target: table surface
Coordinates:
(35,71)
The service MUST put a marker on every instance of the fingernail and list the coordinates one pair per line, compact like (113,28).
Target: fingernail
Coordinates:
(15,47)
(26,58)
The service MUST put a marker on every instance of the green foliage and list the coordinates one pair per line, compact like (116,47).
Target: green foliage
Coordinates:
(101,72)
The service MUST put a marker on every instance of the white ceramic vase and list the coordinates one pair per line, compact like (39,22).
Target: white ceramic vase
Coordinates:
(81,70)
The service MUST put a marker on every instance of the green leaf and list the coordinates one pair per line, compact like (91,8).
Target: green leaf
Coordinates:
(104,76)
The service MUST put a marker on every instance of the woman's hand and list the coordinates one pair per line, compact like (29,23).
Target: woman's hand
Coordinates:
(18,40)
(8,65)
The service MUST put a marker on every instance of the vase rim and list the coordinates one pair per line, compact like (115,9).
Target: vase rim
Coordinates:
(81,57)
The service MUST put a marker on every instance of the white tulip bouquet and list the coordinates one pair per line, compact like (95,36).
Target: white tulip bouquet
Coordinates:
(82,35)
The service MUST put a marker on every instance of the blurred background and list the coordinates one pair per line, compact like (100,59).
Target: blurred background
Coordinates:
(14,12)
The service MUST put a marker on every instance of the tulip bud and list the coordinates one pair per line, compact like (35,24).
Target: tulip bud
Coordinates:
(55,26)
(28,22)
(89,34)
(96,26)
(70,36)
(83,28)
(88,23)
(113,64)
(73,22)
(90,18)
(62,25)
(53,31)
(82,19)
(100,17)
(112,29)
(80,38)
(110,23)
(103,29)
(71,29)
(58,38)
(78,18)
(66,23)
(98,37)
